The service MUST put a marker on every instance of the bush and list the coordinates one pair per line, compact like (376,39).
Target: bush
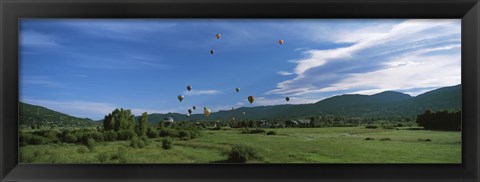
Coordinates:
(165,132)
(70,138)
(254,131)
(137,142)
(110,135)
(51,135)
(37,140)
(152,133)
(126,134)
(368,138)
(242,153)
(271,133)
(102,157)
(371,127)
(167,143)
(90,144)
(184,135)
(121,155)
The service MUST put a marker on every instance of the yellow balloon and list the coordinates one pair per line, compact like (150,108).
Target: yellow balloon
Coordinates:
(207,112)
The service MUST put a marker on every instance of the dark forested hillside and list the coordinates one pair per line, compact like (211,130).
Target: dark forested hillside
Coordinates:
(38,116)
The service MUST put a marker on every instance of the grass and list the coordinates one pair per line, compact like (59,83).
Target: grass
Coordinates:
(289,145)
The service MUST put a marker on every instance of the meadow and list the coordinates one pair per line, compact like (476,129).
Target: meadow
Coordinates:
(283,145)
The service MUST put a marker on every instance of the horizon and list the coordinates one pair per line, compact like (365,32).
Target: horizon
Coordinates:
(264,105)
(86,68)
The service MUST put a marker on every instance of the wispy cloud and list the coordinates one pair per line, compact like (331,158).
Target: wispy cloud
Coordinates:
(129,30)
(409,54)
(38,39)
(263,101)
(284,73)
(40,80)
(194,92)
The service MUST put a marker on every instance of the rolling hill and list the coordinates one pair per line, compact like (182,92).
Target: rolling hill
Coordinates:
(41,116)
(384,104)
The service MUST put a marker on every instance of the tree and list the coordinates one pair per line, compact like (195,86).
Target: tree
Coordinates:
(142,126)
(312,122)
(119,120)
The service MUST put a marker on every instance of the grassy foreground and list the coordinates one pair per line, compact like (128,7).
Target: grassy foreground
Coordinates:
(289,145)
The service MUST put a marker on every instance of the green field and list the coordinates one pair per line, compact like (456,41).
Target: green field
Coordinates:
(289,145)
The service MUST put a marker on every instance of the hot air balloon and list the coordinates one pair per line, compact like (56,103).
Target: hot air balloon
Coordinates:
(206,111)
(233,109)
(211,51)
(189,87)
(189,111)
(188,115)
(244,113)
(251,99)
(237,89)
(180,97)
(233,118)
(287,98)
(194,108)
(218,36)
(280,41)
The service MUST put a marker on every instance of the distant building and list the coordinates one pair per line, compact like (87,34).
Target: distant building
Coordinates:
(298,123)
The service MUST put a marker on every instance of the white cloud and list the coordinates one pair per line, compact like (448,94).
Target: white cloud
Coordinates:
(194,92)
(409,54)
(284,73)
(263,101)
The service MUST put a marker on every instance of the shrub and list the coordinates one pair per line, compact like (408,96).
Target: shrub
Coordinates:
(271,133)
(371,127)
(184,135)
(137,142)
(110,135)
(152,133)
(167,143)
(102,157)
(385,139)
(165,132)
(242,153)
(257,130)
(90,144)
(121,155)
(368,138)
(37,140)
(70,138)
(51,135)
(126,134)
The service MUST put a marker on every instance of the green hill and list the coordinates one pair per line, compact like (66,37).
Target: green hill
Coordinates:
(384,104)
(32,115)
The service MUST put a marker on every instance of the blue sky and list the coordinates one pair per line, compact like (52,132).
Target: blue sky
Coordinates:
(87,68)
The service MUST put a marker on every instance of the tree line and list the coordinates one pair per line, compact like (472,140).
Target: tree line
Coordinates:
(441,120)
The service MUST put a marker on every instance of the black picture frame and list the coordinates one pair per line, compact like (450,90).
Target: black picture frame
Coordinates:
(12,10)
